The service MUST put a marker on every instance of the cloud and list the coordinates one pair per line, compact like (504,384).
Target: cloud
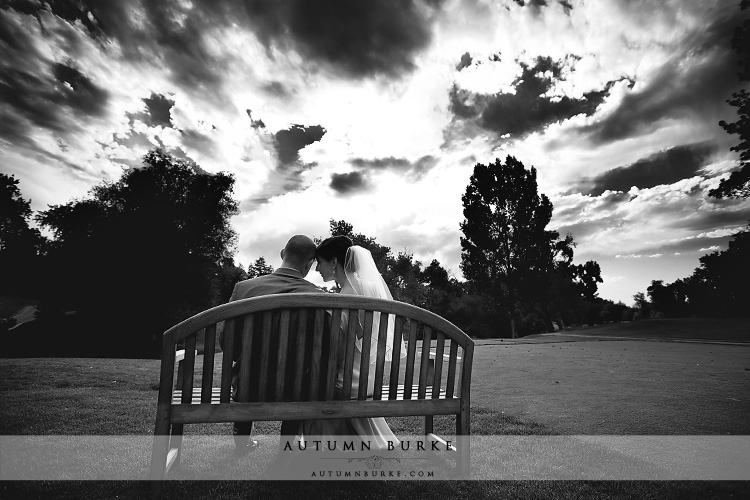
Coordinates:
(713,248)
(692,84)
(255,123)
(199,141)
(37,92)
(158,108)
(360,178)
(289,142)
(357,38)
(414,169)
(349,182)
(465,62)
(278,89)
(531,108)
(664,167)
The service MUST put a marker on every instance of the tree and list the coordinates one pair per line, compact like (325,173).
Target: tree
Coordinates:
(142,253)
(259,268)
(718,288)
(20,244)
(724,277)
(506,250)
(738,183)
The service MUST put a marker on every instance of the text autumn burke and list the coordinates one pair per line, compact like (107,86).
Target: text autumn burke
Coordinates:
(361,445)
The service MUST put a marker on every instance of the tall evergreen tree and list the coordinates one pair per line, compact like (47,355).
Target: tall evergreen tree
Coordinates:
(507,252)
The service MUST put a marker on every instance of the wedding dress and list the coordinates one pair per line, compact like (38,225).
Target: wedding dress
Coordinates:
(364,279)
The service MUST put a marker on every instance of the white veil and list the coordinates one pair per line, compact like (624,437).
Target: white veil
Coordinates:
(367,281)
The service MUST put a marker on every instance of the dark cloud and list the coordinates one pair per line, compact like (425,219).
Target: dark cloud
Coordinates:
(664,167)
(278,89)
(349,182)
(727,215)
(289,142)
(694,84)
(414,170)
(359,38)
(35,93)
(78,92)
(532,3)
(159,108)
(356,38)
(197,140)
(529,109)
(359,179)
(465,62)
(167,32)
(255,123)
(537,5)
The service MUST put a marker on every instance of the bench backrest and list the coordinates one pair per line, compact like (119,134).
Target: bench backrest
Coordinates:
(282,335)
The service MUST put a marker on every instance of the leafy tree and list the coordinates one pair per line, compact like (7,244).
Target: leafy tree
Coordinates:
(642,306)
(738,184)
(226,277)
(717,288)
(722,279)
(506,250)
(141,253)
(20,244)
(259,268)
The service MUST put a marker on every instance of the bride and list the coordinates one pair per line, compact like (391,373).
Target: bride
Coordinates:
(354,270)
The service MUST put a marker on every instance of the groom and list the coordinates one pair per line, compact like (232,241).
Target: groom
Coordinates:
(297,258)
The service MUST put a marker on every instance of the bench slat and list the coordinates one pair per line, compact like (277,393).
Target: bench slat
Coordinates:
(248,327)
(439,350)
(364,366)
(209,349)
(425,362)
(311,410)
(411,354)
(282,353)
(265,354)
(317,353)
(189,368)
(351,335)
(230,326)
(216,394)
(451,380)
(333,350)
(300,358)
(396,360)
(380,359)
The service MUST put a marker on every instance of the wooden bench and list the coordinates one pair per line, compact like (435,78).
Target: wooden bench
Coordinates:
(441,388)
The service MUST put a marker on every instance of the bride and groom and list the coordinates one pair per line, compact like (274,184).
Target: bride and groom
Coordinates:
(354,270)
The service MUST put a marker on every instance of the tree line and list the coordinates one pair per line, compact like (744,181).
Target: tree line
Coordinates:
(140,254)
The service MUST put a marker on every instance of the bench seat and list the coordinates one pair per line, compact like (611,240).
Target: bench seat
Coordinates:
(216,394)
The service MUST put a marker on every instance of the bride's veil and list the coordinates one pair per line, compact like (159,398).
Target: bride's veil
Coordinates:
(367,281)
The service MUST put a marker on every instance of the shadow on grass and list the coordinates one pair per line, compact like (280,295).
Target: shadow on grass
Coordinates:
(379,490)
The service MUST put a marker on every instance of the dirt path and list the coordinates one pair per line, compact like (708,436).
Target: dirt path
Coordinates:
(585,385)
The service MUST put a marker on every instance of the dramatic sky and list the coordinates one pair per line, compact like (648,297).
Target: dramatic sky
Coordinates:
(375,112)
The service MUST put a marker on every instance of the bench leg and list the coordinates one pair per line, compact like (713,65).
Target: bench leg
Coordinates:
(428,425)
(176,442)
(158,466)
(463,436)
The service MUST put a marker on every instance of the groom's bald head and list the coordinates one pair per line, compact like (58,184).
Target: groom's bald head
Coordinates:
(298,253)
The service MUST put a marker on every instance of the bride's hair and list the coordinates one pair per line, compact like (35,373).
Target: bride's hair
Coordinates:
(335,246)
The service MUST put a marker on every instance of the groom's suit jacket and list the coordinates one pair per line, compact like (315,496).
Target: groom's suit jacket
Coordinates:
(283,280)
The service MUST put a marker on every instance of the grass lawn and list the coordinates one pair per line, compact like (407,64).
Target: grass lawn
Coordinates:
(552,386)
